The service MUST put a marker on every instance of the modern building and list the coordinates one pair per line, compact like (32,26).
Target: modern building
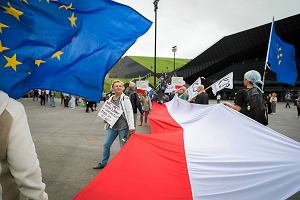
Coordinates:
(244,51)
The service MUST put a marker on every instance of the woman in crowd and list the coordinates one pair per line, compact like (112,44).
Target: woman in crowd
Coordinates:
(123,126)
(146,105)
(182,93)
(268,102)
(273,101)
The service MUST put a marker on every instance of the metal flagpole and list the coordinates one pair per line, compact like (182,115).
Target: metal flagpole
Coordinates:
(155,10)
(266,63)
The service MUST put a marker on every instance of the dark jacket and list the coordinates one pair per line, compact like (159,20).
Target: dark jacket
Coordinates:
(201,98)
(135,101)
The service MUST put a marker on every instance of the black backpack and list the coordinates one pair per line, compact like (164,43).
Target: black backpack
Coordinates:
(255,106)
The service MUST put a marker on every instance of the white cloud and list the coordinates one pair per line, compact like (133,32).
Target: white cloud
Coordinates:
(194,25)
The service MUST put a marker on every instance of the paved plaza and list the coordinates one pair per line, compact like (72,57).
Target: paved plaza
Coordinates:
(69,143)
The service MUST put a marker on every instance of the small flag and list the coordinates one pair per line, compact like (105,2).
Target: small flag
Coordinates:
(192,90)
(281,58)
(225,82)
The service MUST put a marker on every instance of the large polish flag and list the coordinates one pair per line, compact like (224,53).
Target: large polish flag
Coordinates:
(205,152)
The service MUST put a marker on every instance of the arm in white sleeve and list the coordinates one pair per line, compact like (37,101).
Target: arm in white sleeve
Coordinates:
(21,155)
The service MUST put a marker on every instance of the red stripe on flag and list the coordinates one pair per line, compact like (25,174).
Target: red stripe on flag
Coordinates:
(160,120)
(149,166)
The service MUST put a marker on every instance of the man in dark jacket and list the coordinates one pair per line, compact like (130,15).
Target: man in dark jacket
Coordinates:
(202,97)
(135,101)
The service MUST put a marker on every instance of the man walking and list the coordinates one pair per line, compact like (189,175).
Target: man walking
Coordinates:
(135,101)
(287,100)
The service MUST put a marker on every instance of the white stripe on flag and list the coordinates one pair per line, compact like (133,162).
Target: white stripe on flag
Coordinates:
(230,156)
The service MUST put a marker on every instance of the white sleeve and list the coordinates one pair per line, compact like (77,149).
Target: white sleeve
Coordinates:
(129,113)
(21,156)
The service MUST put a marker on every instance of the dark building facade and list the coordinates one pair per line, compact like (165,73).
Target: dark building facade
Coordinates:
(244,51)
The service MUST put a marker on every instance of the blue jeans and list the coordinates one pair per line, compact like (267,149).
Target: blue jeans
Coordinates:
(108,141)
(52,101)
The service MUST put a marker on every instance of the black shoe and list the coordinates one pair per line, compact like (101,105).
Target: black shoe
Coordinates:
(99,166)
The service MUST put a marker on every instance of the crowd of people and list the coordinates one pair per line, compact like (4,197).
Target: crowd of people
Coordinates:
(142,102)
(66,100)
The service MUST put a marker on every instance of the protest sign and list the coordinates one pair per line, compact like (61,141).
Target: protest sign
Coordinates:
(110,113)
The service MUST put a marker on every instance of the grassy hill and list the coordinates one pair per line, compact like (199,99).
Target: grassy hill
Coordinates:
(107,82)
(162,64)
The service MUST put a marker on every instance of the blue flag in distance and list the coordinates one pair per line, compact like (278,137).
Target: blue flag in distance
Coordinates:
(64,45)
(281,58)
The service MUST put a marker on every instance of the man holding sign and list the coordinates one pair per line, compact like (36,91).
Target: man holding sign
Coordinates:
(118,114)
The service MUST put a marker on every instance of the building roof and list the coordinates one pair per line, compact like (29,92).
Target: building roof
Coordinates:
(250,44)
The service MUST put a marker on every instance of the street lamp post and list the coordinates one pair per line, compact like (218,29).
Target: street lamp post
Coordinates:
(174,49)
(155,3)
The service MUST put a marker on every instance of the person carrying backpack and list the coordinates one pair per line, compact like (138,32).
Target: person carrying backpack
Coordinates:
(250,101)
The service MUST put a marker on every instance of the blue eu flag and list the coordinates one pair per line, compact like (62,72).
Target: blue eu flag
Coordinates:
(281,59)
(63,45)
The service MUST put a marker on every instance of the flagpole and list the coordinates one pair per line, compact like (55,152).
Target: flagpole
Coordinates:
(267,57)
(155,30)
(208,87)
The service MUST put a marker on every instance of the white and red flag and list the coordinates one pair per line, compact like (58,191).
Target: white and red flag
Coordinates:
(208,152)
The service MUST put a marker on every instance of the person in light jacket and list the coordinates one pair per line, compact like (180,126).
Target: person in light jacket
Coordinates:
(273,101)
(123,126)
(146,105)
(20,172)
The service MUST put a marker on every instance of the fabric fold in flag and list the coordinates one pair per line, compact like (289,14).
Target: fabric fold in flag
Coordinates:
(208,152)
(66,46)
(281,58)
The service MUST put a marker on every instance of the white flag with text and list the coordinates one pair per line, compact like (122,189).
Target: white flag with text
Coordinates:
(225,82)
(192,90)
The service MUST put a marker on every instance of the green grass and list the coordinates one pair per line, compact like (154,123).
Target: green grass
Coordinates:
(162,64)
(108,82)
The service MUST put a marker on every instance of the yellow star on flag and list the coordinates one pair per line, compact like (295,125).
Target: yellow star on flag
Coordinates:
(25,1)
(39,62)
(57,54)
(279,49)
(2,48)
(12,62)
(12,11)
(3,26)
(279,62)
(73,20)
(69,7)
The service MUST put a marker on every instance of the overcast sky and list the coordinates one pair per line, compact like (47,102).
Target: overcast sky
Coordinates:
(195,25)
